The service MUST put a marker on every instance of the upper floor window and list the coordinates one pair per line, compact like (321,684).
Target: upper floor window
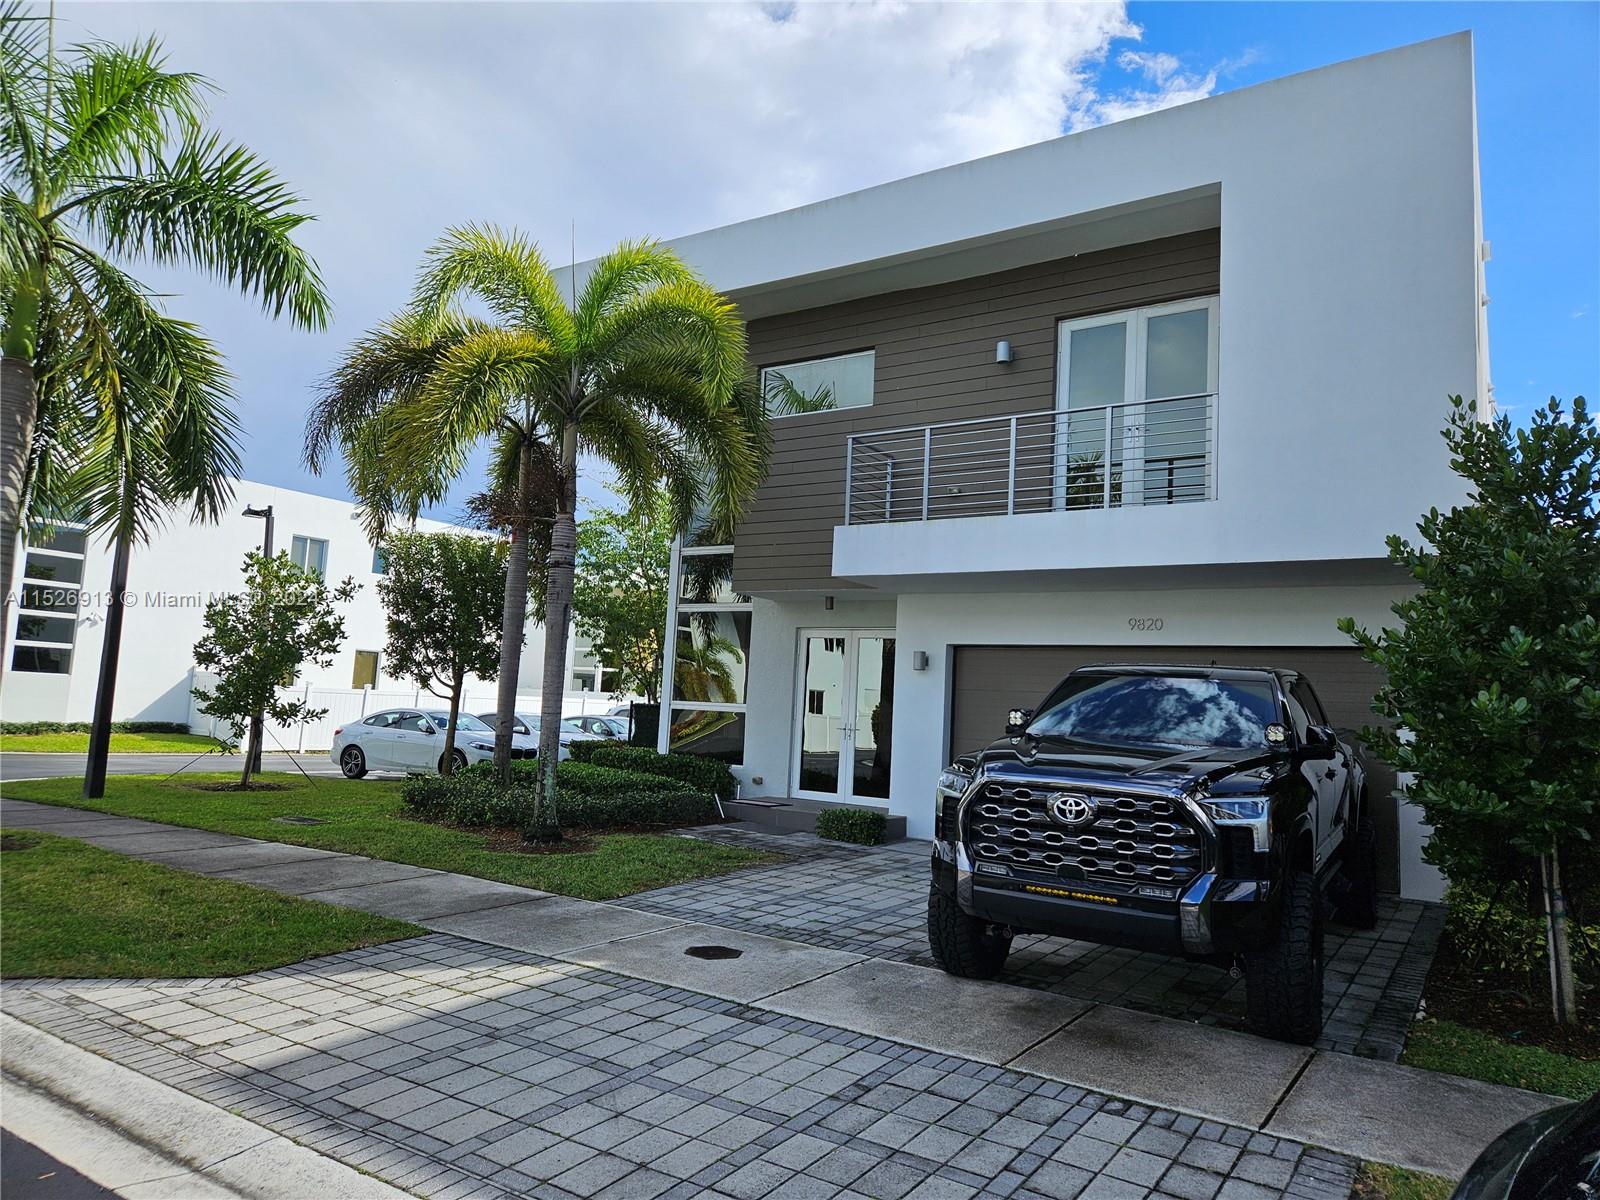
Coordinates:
(380,561)
(819,384)
(310,553)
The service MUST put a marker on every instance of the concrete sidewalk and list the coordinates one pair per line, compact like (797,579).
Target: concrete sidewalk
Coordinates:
(1366,1109)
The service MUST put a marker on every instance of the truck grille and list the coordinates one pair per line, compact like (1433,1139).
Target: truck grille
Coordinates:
(1130,839)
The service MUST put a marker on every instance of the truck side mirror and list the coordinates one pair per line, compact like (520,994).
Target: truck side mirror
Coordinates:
(1017,721)
(1321,741)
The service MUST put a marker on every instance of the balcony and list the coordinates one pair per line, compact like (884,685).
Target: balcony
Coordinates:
(1150,452)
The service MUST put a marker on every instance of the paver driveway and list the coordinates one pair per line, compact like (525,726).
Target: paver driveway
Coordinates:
(455,1069)
(873,901)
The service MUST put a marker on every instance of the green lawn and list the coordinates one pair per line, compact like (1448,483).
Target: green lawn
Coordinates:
(1457,1050)
(366,817)
(121,743)
(73,911)
(1379,1181)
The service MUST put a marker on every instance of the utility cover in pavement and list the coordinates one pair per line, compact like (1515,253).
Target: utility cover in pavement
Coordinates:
(713,952)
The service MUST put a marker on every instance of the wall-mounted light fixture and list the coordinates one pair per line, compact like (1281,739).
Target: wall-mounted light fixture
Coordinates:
(1002,351)
(919,660)
(827,603)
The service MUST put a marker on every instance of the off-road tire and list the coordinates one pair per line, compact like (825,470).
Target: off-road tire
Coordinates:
(962,944)
(1283,983)
(352,762)
(1358,907)
(458,761)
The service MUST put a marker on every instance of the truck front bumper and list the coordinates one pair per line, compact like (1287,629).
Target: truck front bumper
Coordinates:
(1212,917)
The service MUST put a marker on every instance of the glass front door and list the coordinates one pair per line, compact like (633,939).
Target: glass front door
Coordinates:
(844,715)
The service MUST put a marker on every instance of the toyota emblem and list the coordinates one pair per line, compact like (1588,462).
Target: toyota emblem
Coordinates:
(1071,809)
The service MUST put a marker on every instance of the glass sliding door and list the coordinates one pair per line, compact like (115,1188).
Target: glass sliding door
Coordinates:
(844,710)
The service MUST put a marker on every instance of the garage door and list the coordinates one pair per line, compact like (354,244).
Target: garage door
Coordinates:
(989,680)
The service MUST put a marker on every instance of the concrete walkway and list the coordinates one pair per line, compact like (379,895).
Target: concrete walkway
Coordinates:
(1366,1109)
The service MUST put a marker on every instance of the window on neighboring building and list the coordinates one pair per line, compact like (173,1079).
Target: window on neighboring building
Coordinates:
(380,561)
(819,384)
(815,699)
(310,553)
(48,601)
(365,674)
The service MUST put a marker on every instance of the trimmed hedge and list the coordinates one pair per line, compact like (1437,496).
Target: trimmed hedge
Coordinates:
(858,825)
(588,796)
(28,727)
(583,751)
(705,774)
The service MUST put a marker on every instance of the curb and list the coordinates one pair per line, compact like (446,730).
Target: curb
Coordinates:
(220,1154)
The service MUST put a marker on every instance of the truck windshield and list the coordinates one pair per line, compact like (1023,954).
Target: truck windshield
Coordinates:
(1158,712)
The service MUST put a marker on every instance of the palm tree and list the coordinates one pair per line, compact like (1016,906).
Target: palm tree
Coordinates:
(642,367)
(114,410)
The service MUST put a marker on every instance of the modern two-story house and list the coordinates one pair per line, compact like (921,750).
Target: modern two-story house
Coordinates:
(1154,391)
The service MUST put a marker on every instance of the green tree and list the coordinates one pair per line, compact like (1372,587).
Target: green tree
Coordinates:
(1493,672)
(640,367)
(619,593)
(114,411)
(258,639)
(441,592)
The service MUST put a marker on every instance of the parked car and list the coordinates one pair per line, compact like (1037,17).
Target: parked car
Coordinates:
(611,728)
(1201,811)
(528,724)
(412,740)
(620,710)
(1554,1155)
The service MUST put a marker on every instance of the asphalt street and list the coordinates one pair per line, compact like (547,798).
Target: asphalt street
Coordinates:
(53,766)
(28,1173)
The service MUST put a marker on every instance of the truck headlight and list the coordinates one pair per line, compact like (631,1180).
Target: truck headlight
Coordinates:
(1235,810)
(953,782)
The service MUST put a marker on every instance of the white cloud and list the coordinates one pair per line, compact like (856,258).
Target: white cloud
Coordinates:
(396,120)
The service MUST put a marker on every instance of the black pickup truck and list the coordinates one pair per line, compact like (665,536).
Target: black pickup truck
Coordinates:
(1209,812)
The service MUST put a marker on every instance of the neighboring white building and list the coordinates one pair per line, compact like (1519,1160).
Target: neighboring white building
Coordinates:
(1154,391)
(56,633)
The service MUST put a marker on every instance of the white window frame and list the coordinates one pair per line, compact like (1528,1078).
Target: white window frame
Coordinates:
(669,650)
(783,368)
(72,617)
(298,558)
(1133,400)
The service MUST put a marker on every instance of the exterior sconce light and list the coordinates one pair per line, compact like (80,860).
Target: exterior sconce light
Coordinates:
(827,603)
(1002,351)
(919,660)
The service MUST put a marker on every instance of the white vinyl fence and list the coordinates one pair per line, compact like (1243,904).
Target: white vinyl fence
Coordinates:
(345,705)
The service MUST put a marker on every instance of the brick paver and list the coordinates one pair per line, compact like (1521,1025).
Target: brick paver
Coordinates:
(873,901)
(456,1069)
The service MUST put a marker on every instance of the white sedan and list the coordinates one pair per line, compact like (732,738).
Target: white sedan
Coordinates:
(412,740)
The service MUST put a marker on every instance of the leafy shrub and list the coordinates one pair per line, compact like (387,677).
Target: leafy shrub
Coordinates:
(1509,938)
(588,796)
(583,751)
(858,825)
(22,728)
(706,774)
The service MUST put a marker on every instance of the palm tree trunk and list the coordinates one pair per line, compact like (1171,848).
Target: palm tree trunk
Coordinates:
(557,619)
(513,617)
(94,773)
(18,407)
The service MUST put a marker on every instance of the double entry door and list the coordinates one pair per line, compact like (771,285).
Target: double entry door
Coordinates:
(844,712)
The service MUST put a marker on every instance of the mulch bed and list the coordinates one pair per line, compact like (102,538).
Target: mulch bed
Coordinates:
(1508,1006)
(238,787)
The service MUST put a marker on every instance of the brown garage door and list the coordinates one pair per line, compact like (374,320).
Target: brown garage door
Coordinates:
(991,679)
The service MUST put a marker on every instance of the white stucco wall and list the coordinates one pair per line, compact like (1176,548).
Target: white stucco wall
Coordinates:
(174,575)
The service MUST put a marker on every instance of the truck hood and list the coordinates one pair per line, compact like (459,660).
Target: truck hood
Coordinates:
(1191,771)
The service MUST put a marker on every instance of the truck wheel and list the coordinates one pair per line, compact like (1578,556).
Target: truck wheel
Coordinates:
(962,944)
(1283,983)
(1358,907)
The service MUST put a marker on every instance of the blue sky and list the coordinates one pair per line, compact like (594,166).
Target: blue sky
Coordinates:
(396,120)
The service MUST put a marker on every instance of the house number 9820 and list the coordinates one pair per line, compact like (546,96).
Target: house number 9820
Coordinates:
(1146,624)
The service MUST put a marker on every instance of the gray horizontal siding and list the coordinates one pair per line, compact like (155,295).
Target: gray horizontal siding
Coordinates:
(934,362)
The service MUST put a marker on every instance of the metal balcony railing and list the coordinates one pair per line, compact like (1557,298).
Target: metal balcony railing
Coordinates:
(1111,456)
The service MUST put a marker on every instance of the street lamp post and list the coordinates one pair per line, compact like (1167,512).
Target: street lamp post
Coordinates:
(258,719)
